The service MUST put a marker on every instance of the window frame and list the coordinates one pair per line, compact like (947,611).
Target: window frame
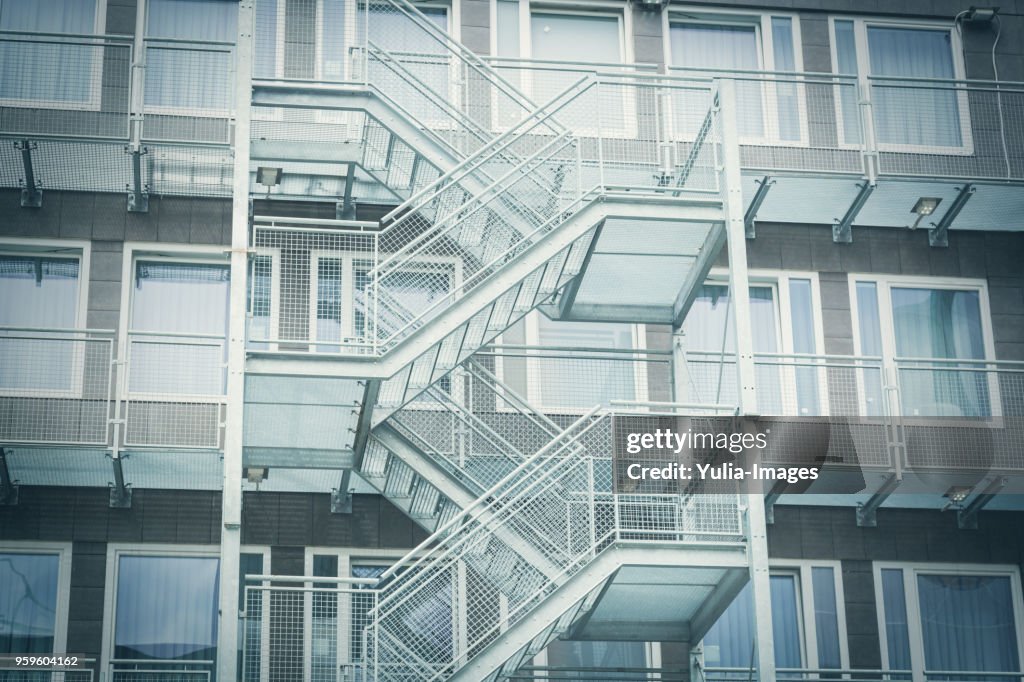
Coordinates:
(167,253)
(265,552)
(93,101)
(911,596)
(115,550)
(884,284)
(861,25)
(608,9)
(349,259)
(722,16)
(63,550)
(779,280)
(65,249)
(802,571)
(274,322)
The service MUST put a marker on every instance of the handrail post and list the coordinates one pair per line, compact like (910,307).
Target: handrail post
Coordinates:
(869,143)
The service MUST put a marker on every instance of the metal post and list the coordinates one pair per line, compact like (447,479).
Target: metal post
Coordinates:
(138,196)
(757,534)
(231,501)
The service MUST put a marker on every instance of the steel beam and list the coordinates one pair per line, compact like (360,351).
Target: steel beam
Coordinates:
(568,298)
(749,218)
(842,231)
(345,209)
(120,492)
(31,194)
(938,235)
(341,497)
(967,518)
(138,193)
(8,487)
(867,511)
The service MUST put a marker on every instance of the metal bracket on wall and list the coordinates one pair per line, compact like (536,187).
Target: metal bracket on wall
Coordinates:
(120,492)
(842,231)
(967,518)
(31,194)
(138,193)
(749,218)
(938,235)
(867,511)
(8,487)
(341,497)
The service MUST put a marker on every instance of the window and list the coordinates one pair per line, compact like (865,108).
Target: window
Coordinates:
(71,66)
(34,583)
(567,41)
(785,310)
(920,325)
(339,309)
(908,116)
(559,380)
(578,658)
(173,627)
(177,327)
(937,617)
(254,603)
(808,622)
(193,79)
(724,43)
(40,291)
(306,41)
(263,304)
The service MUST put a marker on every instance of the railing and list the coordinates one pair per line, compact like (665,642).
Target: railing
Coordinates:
(55,385)
(83,673)
(532,530)
(160,670)
(723,674)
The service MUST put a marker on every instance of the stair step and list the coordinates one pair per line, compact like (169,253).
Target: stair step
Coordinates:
(425,499)
(399,481)
(503,310)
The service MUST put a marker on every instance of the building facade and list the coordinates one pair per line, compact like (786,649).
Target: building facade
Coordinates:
(320,321)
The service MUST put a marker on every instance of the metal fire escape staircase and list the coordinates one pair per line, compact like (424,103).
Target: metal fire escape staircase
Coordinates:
(528,539)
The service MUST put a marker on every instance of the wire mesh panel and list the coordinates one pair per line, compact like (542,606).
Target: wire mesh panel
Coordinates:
(29,675)
(64,85)
(175,391)
(55,387)
(956,129)
(155,673)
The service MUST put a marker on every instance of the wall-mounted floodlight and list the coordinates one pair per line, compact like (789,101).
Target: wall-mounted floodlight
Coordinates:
(255,474)
(925,206)
(268,176)
(956,495)
(980,15)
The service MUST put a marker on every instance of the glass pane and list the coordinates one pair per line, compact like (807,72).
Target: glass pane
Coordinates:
(71,69)
(870,332)
(967,623)
(193,78)
(802,314)
(786,94)
(897,634)
(329,303)
(582,384)
(914,116)
(846,64)
(259,299)
(324,621)
(940,323)
(28,603)
(507,19)
(38,292)
(725,47)
(418,52)
(826,617)
(166,608)
(250,628)
(730,641)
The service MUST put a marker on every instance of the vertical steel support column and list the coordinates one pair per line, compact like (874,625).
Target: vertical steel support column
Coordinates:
(757,535)
(231,501)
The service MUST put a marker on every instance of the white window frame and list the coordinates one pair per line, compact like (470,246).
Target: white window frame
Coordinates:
(802,571)
(860,36)
(715,16)
(779,281)
(114,552)
(438,264)
(167,253)
(533,394)
(263,550)
(607,9)
(347,557)
(274,329)
(57,248)
(96,71)
(912,603)
(63,551)
(883,288)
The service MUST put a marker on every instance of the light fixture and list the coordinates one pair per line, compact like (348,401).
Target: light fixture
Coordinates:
(255,474)
(925,206)
(981,15)
(268,176)
(957,494)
